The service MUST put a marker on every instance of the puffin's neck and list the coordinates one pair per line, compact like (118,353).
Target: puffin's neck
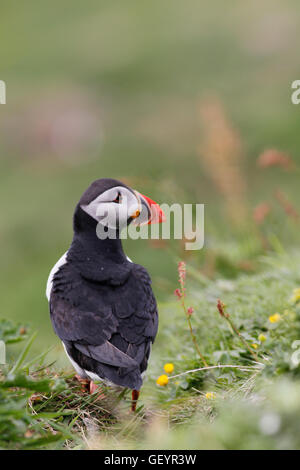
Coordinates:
(90,247)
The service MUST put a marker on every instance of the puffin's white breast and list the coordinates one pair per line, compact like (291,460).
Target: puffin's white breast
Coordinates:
(53,271)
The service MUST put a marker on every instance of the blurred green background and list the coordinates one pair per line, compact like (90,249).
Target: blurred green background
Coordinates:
(132,90)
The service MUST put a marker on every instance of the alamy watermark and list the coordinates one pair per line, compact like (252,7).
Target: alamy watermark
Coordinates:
(182,222)
(2,353)
(296,94)
(2,92)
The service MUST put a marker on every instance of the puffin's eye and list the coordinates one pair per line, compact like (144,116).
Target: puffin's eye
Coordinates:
(118,199)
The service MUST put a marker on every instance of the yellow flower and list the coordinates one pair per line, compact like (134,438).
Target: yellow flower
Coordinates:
(162,380)
(254,346)
(262,338)
(210,395)
(169,368)
(296,295)
(274,318)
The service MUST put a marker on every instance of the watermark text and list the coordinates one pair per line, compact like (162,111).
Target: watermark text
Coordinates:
(2,92)
(2,353)
(296,94)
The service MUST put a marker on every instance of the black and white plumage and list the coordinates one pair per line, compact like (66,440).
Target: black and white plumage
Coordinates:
(101,304)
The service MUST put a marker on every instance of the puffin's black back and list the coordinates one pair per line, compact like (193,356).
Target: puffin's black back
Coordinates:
(101,305)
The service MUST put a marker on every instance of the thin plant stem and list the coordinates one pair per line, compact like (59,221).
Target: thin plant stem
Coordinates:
(220,366)
(192,333)
(226,316)
(188,311)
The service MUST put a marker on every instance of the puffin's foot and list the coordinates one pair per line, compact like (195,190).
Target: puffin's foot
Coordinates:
(135,397)
(94,388)
(88,386)
(85,383)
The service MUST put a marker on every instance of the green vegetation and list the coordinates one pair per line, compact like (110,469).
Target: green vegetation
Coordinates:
(186,104)
(249,400)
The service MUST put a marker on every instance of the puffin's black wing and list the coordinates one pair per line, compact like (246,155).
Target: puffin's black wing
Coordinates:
(107,327)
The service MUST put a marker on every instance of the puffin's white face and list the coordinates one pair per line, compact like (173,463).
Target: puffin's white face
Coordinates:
(115,208)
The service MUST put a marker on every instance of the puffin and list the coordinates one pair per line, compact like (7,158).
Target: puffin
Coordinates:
(101,304)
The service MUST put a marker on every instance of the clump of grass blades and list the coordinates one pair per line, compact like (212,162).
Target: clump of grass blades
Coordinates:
(41,408)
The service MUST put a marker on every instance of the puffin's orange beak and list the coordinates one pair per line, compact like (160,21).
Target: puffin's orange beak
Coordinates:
(156,213)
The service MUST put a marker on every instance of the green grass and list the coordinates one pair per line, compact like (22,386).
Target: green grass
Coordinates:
(142,70)
(43,407)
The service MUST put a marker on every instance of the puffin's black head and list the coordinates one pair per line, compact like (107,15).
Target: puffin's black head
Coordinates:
(113,204)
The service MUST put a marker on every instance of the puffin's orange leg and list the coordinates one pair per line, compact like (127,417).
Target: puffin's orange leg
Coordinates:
(85,383)
(93,387)
(96,388)
(135,397)
(88,386)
